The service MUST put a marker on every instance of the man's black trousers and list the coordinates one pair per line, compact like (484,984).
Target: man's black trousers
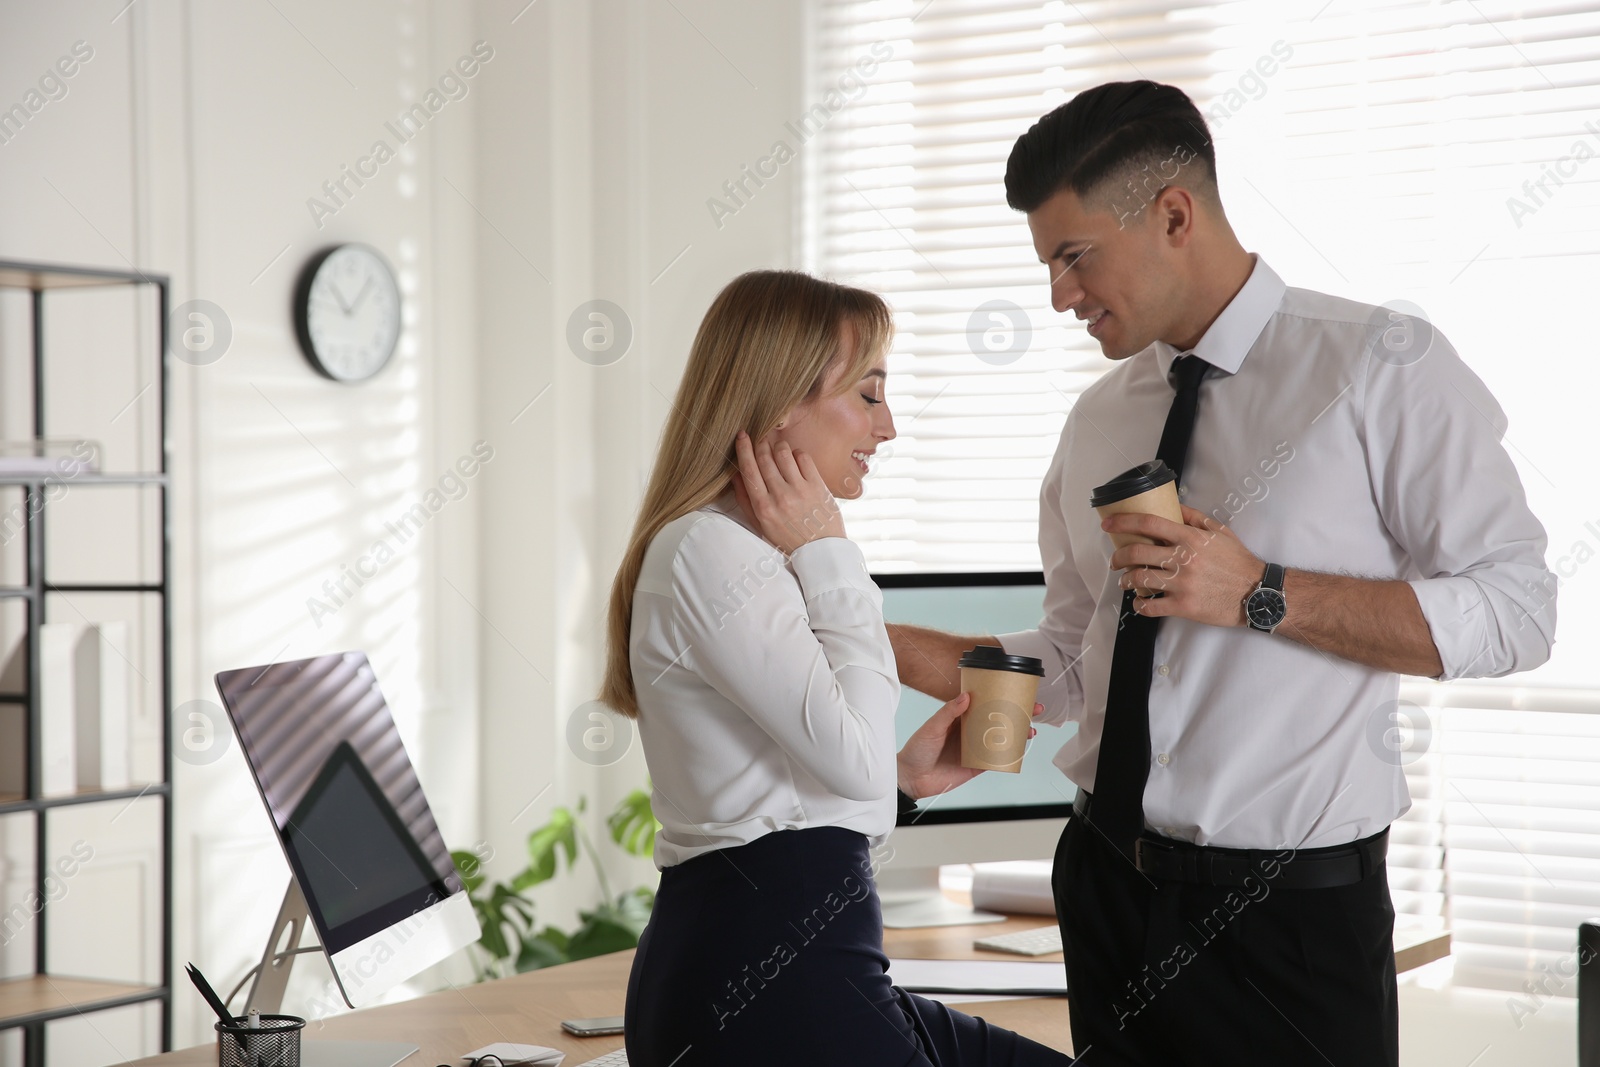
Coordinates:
(1175,972)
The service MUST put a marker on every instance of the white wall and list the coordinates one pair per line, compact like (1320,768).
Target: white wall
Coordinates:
(597,159)
(577,168)
(189,145)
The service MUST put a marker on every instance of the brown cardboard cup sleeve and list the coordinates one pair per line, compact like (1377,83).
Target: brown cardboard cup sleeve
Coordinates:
(994,728)
(1150,488)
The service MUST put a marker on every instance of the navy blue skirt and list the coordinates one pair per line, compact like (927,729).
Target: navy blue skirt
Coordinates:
(772,953)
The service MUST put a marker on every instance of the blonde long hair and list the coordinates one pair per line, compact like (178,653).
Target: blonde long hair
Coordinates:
(766,344)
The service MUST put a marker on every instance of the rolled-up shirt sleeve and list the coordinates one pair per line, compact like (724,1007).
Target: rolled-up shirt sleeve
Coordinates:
(1451,497)
(1068,606)
(811,664)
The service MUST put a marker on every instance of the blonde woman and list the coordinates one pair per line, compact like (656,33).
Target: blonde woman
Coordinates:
(747,638)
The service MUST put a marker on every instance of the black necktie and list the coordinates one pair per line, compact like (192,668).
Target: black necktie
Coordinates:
(1124,762)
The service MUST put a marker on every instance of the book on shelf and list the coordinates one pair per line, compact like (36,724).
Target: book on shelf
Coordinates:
(100,694)
(58,755)
(13,721)
(58,714)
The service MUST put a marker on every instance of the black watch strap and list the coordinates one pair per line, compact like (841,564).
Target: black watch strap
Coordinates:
(1273,579)
(905,804)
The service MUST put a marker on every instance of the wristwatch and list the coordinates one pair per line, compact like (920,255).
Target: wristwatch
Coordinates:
(1265,607)
(903,803)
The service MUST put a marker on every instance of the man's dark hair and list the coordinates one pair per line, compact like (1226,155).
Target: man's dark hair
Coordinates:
(1123,139)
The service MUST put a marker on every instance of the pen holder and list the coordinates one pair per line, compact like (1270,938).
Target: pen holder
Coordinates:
(275,1043)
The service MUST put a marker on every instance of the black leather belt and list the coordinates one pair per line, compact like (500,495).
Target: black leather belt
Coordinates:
(1308,868)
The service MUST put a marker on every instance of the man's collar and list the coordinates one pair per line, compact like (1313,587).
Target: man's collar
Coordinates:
(1230,337)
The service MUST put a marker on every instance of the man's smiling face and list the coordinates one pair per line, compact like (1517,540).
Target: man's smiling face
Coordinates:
(1112,274)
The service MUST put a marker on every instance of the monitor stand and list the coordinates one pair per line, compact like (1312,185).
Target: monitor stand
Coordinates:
(911,898)
(266,994)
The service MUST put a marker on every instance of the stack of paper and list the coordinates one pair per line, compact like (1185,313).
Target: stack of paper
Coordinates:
(63,456)
(1021,887)
(994,978)
(28,466)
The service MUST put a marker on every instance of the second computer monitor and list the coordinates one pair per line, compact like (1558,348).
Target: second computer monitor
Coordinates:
(996,816)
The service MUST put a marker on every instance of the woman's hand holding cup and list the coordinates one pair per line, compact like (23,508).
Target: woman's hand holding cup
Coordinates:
(781,490)
(930,762)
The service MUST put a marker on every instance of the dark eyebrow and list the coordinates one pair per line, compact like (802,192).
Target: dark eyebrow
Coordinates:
(1061,249)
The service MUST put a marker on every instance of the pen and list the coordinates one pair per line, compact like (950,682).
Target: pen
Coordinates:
(210,994)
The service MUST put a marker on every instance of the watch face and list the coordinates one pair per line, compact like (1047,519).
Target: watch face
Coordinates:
(347,312)
(1265,608)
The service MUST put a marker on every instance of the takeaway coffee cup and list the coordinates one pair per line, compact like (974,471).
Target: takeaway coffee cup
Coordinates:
(1150,488)
(994,729)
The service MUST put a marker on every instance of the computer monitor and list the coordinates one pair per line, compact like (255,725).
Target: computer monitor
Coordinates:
(996,816)
(366,855)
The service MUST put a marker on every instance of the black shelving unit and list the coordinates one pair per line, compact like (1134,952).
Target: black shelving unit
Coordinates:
(32,1002)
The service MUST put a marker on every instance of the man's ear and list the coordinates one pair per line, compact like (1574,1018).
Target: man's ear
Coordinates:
(1176,207)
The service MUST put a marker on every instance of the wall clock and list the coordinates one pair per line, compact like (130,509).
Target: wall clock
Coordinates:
(347,312)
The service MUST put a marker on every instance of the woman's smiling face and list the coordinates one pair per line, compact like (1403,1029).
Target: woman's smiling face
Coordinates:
(838,430)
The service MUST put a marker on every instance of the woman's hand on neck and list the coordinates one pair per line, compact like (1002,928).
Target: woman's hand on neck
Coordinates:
(782,494)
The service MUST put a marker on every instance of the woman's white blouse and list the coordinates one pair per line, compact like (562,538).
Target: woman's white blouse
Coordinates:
(767,687)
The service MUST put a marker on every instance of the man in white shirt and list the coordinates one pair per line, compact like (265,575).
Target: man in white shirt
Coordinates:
(1349,516)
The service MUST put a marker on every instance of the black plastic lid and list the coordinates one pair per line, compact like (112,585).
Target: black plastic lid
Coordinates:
(994,658)
(1132,482)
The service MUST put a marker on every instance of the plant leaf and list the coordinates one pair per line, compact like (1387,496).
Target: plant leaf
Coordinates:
(558,835)
(470,868)
(598,936)
(513,906)
(558,938)
(631,910)
(633,824)
(539,952)
(493,938)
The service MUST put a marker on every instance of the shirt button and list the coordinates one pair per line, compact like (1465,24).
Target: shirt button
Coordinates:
(1163,759)
(1163,669)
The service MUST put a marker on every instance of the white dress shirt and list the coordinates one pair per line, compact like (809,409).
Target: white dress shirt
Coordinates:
(1320,456)
(767,689)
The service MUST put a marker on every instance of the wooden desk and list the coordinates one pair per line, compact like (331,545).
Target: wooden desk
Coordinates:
(528,1008)
(1412,946)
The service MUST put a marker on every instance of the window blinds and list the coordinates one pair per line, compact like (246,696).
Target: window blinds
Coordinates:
(1501,843)
(1436,151)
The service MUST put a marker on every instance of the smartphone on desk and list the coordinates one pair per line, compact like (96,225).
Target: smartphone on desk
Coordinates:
(601,1027)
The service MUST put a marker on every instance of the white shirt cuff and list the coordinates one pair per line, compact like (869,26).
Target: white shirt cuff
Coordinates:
(1458,621)
(830,563)
(1060,691)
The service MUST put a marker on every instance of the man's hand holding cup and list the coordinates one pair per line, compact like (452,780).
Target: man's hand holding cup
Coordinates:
(1178,561)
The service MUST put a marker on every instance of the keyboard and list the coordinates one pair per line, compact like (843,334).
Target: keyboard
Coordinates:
(1044,940)
(618,1058)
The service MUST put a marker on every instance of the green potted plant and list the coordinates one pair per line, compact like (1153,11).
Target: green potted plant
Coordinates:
(511,943)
